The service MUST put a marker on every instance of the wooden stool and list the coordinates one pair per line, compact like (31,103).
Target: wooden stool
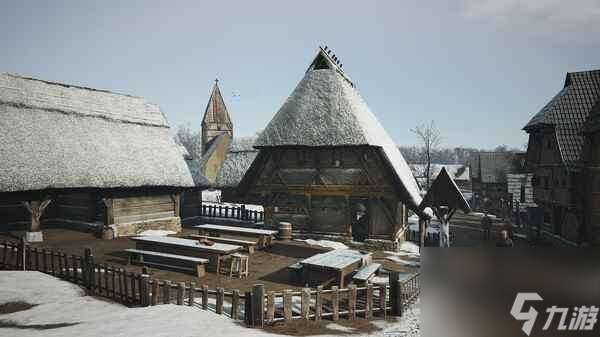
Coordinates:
(239,265)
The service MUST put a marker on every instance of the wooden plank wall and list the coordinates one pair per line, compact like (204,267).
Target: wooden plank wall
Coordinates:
(13,212)
(143,208)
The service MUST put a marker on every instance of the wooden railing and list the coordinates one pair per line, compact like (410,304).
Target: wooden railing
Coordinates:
(232,212)
(255,307)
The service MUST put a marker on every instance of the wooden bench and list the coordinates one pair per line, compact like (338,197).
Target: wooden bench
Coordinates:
(249,245)
(158,259)
(364,274)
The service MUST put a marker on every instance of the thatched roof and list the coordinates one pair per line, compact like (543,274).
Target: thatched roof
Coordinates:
(240,156)
(57,136)
(325,109)
(445,192)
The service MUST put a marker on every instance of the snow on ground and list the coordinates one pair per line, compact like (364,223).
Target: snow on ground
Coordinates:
(65,306)
(480,215)
(157,232)
(214,198)
(325,243)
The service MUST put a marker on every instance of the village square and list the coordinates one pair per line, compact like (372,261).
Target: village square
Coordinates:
(310,224)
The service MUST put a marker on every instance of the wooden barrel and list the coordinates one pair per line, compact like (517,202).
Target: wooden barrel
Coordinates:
(285,231)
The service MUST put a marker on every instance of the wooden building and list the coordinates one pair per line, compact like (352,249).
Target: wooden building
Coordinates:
(216,120)
(326,164)
(555,157)
(591,176)
(87,157)
(488,172)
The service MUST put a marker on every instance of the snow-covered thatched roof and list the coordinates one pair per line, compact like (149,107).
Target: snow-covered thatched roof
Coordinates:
(325,109)
(240,156)
(57,136)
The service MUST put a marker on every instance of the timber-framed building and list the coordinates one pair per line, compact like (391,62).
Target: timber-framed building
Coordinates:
(326,164)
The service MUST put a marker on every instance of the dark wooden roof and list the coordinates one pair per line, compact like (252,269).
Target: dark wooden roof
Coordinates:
(216,111)
(444,192)
(568,111)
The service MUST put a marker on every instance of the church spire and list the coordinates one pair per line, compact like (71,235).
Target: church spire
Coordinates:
(216,118)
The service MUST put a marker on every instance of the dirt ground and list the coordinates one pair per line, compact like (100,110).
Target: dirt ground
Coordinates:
(268,266)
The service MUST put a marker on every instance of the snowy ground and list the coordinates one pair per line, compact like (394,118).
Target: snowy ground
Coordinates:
(62,309)
(324,243)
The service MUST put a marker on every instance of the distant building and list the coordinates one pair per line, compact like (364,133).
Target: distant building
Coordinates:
(488,173)
(85,157)
(216,120)
(564,173)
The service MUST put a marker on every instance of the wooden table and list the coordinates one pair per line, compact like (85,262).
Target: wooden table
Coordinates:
(264,235)
(186,247)
(333,265)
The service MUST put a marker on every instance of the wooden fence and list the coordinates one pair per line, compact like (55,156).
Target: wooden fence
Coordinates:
(241,213)
(255,307)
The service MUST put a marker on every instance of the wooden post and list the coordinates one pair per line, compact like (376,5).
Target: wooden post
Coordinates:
(167,292)
(220,299)
(382,300)
(154,292)
(106,290)
(36,259)
(287,304)
(74,265)
(144,289)
(45,260)
(205,297)
(395,294)
(52,264)
(180,291)
(132,279)
(258,300)
(335,302)
(270,306)
(352,301)
(248,308)
(369,302)
(114,286)
(235,303)
(191,294)
(318,303)
(4,254)
(305,303)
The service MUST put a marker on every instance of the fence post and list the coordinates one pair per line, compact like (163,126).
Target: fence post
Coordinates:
(305,303)
(219,300)
(45,260)
(287,304)
(166,292)
(248,309)
(335,302)
(369,302)
(191,294)
(395,293)
(258,294)
(205,297)
(352,301)
(318,303)
(144,289)
(235,303)
(270,306)
(382,300)
(21,254)
(180,291)
(154,292)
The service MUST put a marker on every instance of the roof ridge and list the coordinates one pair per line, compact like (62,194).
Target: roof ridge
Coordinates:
(68,85)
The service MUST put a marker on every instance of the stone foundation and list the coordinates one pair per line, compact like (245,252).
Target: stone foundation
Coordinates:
(134,228)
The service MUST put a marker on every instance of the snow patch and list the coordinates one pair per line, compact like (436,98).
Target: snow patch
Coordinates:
(156,232)
(325,243)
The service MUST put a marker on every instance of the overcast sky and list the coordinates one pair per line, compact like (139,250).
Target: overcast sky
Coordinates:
(480,69)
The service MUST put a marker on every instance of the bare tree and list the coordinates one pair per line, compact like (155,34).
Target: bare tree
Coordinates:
(191,140)
(430,139)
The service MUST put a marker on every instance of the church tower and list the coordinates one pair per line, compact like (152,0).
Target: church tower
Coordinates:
(216,120)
